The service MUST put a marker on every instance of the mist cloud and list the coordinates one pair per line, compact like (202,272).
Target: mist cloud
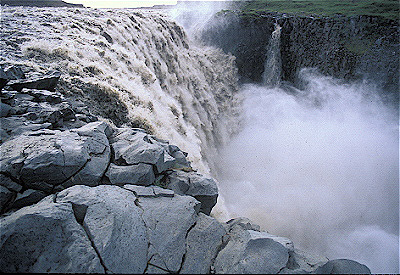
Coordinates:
(320,166)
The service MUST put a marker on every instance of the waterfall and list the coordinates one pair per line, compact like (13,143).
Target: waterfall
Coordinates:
(133,67)
(272,66)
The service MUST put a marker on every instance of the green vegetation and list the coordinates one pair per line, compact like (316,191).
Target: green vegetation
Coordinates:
(385,8)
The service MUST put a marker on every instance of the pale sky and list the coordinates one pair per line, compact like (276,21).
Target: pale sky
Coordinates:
(121,3)
(124,3)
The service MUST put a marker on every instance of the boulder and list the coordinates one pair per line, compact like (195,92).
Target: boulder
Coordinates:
(44,159)
(95,141)
(44,95)
(4,109)
(343,266)
(5,197)
(9,183)
(168,220)
(133,146)
(46,238)
(204,189)
(113,223)
(28,197)
(202,245)
(139,174)
(44,82)
(14,72)
(251,252)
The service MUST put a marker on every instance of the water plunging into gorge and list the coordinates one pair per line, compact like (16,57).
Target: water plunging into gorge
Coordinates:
(318,165)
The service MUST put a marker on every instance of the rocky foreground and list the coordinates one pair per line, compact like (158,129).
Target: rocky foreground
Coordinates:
(79,195)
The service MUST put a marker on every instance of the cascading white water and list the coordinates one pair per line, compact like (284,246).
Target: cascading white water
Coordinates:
(272,66)
(181,93)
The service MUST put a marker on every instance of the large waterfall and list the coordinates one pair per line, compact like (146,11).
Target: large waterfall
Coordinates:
(318,165)
(133,67)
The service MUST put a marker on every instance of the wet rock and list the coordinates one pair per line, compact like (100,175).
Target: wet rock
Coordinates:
(4,109)
(202,188)
(9,183)
(95,141)
(133,146)
(14,72)
(251,252)
(44,95)
(168,220)
(343,266)
(5,197)
(114,224)
(46,238)
(139,174)
(45,82)
(202,244)
(50,156)
(28,197)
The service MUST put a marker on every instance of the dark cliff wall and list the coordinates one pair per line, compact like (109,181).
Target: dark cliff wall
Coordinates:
(345,47)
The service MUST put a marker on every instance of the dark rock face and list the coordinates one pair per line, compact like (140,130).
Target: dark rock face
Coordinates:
(344,47)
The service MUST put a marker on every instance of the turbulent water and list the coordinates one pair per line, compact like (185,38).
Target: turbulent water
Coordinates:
(320,166)
(134,67)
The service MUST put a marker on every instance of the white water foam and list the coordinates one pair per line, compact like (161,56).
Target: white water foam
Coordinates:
(182,93)
(320,166)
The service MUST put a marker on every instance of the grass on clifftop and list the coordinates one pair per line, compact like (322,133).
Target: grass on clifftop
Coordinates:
(386,8)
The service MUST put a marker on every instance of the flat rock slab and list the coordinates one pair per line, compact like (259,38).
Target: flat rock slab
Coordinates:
(168,220)
(202,244)
(46,238)
(47,158)
(113,222)
(251,252)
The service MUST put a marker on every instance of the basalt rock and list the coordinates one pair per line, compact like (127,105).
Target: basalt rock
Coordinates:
(358,47)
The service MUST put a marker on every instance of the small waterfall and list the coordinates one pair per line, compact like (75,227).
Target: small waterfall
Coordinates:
(272,67)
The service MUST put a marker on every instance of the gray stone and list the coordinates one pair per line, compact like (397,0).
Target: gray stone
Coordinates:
(14,72)
(95,141)
(343,266)
(132,146)
(141,191)
(244,223)
(28,197)
(46,238)
(51,158)
(31,127)
(178,181)
(114,224)
(5,197)
(44,95)
(4,109)
(202,244)
(9,183)
(45,82)
(301,262)
(251,252)
(168,220)
(139,174)
(202,188)
(162,192)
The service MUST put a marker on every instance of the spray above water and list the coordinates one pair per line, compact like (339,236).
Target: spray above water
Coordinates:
(320,166)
